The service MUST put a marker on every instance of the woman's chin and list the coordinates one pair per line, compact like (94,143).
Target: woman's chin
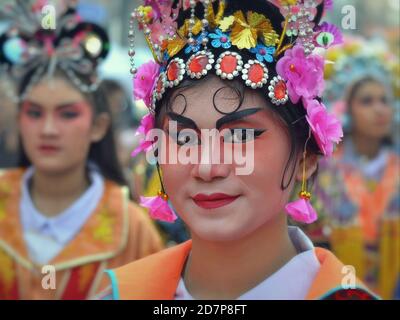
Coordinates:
(51,166)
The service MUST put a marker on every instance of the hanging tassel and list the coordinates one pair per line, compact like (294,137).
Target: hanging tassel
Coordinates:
(301,210)
(159,207)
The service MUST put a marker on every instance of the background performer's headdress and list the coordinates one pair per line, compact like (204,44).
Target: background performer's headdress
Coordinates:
(46,35)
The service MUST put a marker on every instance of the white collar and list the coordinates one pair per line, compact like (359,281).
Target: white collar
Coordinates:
(63,227)
(291,282)
(371,168)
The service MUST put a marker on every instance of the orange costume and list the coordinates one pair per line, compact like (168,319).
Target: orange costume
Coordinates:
(156,277)
(117,232)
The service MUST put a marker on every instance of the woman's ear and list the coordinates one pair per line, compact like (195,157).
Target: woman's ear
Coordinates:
(100,126)
(311,164)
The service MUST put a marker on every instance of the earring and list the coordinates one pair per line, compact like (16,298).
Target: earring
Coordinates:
(301,210)
(158,205)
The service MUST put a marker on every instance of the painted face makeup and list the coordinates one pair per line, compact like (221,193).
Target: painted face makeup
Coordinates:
(55,125)
(190,139)
(215,202)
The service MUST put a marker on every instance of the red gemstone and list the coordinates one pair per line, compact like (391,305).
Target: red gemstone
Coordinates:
(173,71)
(256,73)
(262,52)
(280,90)
(229,64)
(224,39)
(198,64)
(159,86)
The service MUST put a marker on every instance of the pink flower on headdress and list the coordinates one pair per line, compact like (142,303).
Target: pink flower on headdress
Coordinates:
(146,124)
(303,74)
(159,208)
(144,81)
(326,128)
(301,210)
(164,23)
(155,6)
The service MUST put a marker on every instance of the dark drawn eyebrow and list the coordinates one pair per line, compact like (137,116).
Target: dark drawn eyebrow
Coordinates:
(187,122)
(235,116)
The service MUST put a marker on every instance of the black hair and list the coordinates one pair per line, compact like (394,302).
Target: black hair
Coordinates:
(354,88)
(103,153)
(293,115)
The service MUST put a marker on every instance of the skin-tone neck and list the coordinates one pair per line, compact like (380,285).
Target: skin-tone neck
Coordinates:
(53,193)
(366,146)
(226,270)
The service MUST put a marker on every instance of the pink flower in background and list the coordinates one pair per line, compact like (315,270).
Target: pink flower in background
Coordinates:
(159,208)
(144,81)
(304,75)
(301,210)
(326,128)
(146,124)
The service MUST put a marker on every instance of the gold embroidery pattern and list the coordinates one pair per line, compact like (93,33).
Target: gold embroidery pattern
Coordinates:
(104,230)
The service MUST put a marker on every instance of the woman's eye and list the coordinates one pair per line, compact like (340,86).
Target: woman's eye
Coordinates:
(69,114)
(367,101)
(186,137)
(241,135)
(34,113)
(385,101)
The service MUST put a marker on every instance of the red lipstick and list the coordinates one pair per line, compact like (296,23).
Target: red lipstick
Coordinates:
(214,200)
(48,149)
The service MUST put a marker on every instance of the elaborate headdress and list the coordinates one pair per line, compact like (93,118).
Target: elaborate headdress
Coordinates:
(44,36)
(273,46)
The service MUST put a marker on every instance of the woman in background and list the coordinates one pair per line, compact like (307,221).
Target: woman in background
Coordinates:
(358,190)
(67,205)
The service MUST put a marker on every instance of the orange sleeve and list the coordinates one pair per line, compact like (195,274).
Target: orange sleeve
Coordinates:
(143,239)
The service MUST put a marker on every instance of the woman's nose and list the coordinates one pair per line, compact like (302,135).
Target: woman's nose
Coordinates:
(49,126)
(211,165)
